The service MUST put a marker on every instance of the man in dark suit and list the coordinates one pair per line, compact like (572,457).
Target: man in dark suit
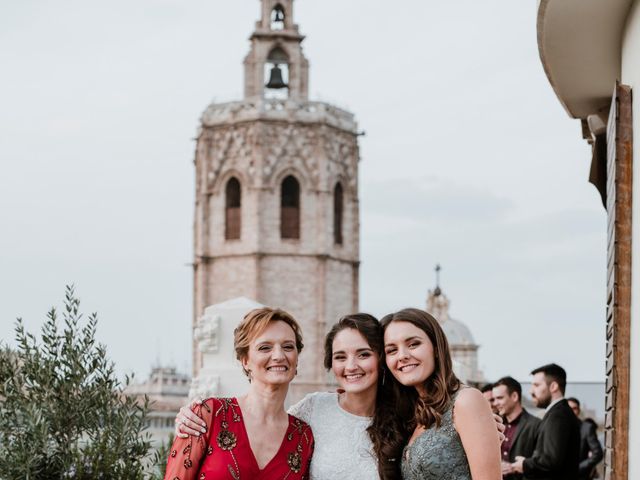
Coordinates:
(558,445)
(590,448)
(521,428)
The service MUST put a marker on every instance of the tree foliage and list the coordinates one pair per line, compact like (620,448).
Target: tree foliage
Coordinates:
(63,413)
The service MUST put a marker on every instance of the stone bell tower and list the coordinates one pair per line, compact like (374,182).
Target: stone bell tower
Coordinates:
(276,213)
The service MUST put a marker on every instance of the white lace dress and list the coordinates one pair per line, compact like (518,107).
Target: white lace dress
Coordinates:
(343,448)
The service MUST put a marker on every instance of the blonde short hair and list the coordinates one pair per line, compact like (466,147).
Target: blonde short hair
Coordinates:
(255,322)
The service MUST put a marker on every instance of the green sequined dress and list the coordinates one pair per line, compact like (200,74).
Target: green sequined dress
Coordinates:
(437,454)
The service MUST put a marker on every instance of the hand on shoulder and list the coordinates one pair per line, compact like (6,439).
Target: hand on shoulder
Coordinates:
(190,419)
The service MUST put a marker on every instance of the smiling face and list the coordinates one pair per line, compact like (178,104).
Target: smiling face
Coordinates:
(272,357)
(504,403)
(409,354)
(354,363)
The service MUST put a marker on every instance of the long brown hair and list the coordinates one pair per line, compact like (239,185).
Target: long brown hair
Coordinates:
(386,431)
(441,384)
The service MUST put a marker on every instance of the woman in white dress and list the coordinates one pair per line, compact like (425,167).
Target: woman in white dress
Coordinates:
(345,424)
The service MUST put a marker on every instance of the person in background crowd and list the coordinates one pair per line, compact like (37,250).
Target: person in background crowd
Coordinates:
(558,445)
(487,392)
(590,448)
(521,427)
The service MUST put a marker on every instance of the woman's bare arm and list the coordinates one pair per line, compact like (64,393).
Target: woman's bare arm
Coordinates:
(477,429)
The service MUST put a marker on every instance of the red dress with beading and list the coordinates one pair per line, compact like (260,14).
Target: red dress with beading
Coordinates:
(224,452)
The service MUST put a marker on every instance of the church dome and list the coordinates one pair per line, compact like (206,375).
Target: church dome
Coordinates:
(457,332)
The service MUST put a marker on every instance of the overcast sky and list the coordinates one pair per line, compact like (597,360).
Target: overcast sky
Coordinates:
(468,160)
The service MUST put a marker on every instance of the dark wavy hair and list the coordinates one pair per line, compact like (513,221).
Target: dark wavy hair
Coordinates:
(442,383)
(386,431)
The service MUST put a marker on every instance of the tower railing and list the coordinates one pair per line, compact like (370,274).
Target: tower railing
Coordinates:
(278,109)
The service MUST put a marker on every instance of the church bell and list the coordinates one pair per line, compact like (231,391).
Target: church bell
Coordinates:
(275,78)
(278,15)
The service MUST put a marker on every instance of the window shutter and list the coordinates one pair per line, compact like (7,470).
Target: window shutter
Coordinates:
(619,187)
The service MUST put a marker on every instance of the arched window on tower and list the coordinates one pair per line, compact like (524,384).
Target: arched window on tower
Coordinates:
(338,207)
(276,70)
(277,18)
(232,209)
(290,208)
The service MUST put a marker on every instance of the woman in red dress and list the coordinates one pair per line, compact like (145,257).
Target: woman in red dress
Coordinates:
(238,443)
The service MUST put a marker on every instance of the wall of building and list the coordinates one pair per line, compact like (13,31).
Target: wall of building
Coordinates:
(230,277)
(288,282)
(631,77)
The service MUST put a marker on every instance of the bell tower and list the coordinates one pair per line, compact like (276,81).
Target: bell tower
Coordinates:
(276,210)
(275,66)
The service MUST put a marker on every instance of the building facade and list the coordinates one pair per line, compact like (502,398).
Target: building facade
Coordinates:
(167,391)
(276,211)
(590,51)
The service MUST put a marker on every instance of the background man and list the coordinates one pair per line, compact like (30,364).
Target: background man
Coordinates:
(558,445)
(590,448)
(521,430)
(487,392)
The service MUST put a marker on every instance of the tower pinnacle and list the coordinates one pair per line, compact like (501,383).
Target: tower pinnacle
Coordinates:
(275,66)
(437,290)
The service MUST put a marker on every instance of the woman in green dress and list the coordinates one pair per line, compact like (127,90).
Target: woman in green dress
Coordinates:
(451,430)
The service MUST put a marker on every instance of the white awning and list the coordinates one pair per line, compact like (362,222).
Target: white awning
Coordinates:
(580,48)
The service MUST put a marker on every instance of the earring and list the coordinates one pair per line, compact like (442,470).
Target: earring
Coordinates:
(248,374)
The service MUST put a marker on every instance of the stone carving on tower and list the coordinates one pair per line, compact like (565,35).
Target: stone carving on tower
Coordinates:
(277,213)
(464,350)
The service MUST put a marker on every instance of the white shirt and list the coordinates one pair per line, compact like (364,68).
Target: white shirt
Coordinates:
(343,449)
